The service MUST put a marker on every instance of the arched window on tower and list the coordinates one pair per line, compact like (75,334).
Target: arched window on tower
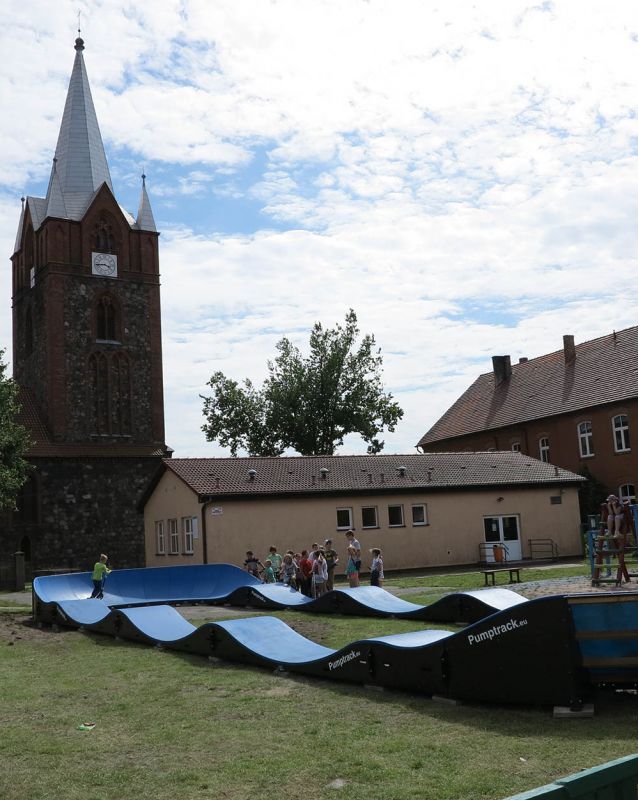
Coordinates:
(99,375)
(103,239)
(120,395)
(106,319)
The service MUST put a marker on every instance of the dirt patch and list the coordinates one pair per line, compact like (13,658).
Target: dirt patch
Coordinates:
(18,626)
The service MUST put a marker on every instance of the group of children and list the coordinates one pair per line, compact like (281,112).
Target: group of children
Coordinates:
(312,571)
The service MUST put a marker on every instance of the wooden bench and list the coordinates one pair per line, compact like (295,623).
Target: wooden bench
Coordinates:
(515,574)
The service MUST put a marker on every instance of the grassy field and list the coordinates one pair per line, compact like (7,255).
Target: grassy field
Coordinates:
(180,727)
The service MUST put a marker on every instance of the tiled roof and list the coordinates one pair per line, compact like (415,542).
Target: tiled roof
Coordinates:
(217,477)
(43,446)
(604,371)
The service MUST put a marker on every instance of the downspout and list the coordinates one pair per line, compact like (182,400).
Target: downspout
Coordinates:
(204,536)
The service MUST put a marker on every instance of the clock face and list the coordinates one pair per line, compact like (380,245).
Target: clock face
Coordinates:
(105,264)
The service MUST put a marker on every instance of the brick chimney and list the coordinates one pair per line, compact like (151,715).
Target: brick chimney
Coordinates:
(569,348)
(502,369)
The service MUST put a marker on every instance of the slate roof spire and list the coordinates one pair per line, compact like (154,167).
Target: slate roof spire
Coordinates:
(80,165)
(145,220)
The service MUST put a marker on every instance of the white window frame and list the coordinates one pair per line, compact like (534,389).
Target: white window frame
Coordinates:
(160,539)
(396,524)
(516,447)
(620,431)
(585,439)
(173,537)
(623,494)
(187,533)
(376,517)
(425,515)
(543,449)
(349,526)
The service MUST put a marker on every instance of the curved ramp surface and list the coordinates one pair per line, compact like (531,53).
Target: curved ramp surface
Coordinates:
(521,655)
(226,583)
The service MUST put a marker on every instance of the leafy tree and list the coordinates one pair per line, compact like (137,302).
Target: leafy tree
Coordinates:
(308,404)
(591,494)
(14,442)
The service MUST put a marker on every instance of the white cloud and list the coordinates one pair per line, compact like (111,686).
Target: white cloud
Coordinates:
(464,175)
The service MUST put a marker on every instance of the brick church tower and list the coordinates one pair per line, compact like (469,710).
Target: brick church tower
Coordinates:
(87,353)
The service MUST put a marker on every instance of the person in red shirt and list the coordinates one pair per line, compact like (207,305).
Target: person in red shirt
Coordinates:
(305,567)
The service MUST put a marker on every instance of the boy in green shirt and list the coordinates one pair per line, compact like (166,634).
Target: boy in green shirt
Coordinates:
(100,571)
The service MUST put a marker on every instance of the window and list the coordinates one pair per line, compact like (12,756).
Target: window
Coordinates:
(555,499)
(344,519)
(174,536)
(627,492)
(369,517)
(620,425)
(187,529)
(543,449)
(516,447)
(160,543)
(585,439)
(419,514)
(395,516)
(106,328)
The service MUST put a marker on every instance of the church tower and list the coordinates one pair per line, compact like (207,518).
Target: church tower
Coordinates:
(86,305)
(86,349)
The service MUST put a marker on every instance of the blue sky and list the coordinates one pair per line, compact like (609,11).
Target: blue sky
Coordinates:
(463,175)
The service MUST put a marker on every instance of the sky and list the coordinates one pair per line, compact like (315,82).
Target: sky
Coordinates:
(463,175)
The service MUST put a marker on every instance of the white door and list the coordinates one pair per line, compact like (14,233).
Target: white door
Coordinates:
(504,531)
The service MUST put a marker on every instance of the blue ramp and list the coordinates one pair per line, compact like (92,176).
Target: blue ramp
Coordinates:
(521,655)
(226,583)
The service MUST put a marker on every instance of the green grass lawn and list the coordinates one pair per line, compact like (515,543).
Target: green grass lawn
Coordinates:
(475,580)
(181,727)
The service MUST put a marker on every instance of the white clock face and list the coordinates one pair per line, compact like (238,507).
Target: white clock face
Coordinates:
(105,264)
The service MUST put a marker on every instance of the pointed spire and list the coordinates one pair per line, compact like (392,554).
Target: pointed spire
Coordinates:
(80,160)
(145,220)
(20,227)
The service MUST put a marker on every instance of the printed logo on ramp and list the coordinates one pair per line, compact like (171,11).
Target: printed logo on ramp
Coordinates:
(497,630)
(343,660)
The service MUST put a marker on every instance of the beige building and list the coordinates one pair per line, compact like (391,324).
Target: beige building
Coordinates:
(421,510)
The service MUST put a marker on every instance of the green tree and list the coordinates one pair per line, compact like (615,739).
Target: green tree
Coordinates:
(14,442)
(308,404)
(591,494)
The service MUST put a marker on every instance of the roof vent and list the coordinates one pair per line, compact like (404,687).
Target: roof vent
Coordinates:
(252,474)
(523,360)
(502,369)
(324,473)
(402,471)
(569,349)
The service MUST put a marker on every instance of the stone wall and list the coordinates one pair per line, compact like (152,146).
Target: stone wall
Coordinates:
(85,507)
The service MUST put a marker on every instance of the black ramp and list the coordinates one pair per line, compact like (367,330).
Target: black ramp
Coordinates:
(524,654)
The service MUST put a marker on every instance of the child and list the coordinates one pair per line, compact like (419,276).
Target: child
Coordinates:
(268,575)
(376,569)
(319,574)
(289,572)
(100,571)
(276,560)
(252,564)
(306,571)
(352,571)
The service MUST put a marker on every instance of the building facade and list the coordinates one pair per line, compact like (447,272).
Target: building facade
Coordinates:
(576,407)
(86,354)
(422,511)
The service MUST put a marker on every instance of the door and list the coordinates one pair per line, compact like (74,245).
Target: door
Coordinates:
(504,531)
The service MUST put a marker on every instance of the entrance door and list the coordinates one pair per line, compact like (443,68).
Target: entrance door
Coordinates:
(503,530)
